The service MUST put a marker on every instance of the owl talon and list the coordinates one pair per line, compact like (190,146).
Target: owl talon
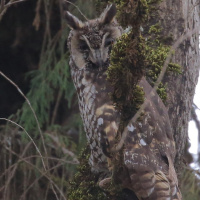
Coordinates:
(105,183)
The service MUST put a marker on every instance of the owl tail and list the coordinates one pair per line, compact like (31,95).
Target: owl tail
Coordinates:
(154,186)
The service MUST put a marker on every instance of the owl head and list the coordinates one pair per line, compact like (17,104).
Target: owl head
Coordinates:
(90,42)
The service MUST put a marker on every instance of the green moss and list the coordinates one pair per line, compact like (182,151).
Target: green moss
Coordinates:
(129,10)
(84,186)
(174,67)
(155,60)
(156,54)
(125,70)
(156,28)
(162,92)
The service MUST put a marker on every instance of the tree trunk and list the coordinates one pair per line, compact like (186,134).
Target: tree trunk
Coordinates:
(181,18)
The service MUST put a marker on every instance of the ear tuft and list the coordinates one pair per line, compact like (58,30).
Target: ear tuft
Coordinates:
(73,21)
(108,14)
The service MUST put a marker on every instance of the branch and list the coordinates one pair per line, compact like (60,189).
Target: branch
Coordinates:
(65,151)
(29,137)
(77,9)
(197,123)
(45,174)
(23,95)
(195,106)
(38,125)
(4,6)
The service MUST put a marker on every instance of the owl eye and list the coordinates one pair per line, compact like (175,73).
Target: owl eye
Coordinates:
(84,46)
(108,42)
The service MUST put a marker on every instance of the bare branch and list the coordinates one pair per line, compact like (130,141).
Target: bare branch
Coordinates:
(38,125)
(42,174)
(65,151)
(4,6)
(11,3)
(77,9)
(11,173)
(23,95)
(29,138)
(56,107)
(197,123)
(195,106)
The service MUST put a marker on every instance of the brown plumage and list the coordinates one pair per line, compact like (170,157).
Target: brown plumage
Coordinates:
(149,149)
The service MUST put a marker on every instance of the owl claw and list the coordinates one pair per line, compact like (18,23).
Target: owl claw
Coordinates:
(105,183)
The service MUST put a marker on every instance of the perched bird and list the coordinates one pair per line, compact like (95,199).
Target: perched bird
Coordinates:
(146,159)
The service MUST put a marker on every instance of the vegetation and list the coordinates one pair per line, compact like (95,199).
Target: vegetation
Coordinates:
(44,76)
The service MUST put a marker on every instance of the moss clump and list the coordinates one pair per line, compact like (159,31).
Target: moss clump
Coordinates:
(156,57)
(174,67)
(162,92)
(84,186)
(156,54)
(127,11)
(130,13)
(155,60)
(125,70)
(155,29)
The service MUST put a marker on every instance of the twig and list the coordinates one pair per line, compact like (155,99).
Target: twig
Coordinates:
(4,7)
(42,173)
(56,107)
(36,21)
(195,106)
(65,151)
(11,3)
(38,125)
(195,118)
(35,156)
(47,9)
(77,9)
(197,123)
(29,138)
(11,174)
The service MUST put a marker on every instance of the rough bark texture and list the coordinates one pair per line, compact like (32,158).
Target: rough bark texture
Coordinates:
(179,18)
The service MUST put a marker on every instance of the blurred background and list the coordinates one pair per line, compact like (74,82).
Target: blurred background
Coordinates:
(34,55)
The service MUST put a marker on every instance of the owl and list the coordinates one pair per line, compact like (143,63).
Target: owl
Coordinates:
(146,159)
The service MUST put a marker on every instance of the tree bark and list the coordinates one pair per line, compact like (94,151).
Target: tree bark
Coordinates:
(180,18)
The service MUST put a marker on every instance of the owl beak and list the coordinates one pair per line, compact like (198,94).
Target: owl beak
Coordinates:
(99,60)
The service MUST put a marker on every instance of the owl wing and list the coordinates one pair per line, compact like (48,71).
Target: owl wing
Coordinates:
(149,151)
